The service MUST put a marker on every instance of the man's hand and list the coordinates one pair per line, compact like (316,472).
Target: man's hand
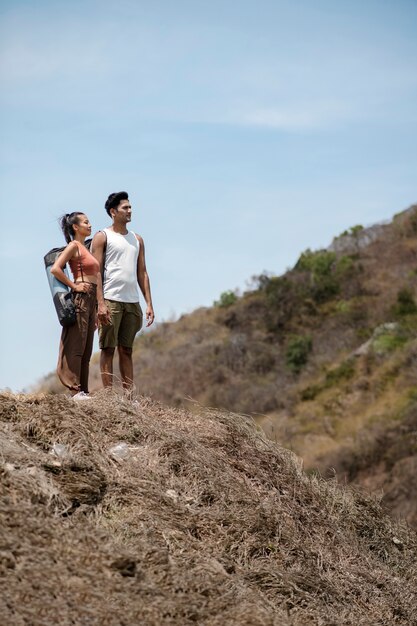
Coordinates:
(150,315)
(103,315)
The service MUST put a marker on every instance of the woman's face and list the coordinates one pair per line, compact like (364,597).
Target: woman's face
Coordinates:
(83,227)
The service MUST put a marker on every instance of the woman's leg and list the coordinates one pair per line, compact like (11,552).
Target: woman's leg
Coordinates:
(89,338)
(71,348)
(69,363)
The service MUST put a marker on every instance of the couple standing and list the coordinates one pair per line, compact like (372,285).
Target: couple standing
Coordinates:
(106,284)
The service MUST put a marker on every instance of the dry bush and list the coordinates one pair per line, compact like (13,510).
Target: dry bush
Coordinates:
(205,522)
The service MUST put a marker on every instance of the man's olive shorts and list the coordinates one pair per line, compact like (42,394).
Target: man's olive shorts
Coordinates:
(126,321)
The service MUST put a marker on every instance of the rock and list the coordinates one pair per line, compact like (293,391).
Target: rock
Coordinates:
(171,493)
(363,349)
(398,543)
(120,451)
(60,450)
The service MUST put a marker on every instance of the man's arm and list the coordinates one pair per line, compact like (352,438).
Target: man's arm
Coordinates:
(97,249)
(144,283)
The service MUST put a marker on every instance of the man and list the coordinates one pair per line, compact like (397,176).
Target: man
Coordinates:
(121,255)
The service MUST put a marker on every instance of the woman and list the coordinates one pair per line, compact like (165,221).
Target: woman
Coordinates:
(77,340)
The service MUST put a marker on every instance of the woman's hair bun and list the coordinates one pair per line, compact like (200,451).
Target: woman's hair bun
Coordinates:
(67,222)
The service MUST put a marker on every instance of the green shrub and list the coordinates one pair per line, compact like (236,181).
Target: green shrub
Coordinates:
(353,231)
(277,290)
(321,266)
(227,298)
(343,306)
(283,299)
(310,392)
(388,342)
(319,263)
(326,272)
(412,222)
(324,289)
(405,304)
(298,350)
(364,333)
(344,371)
(345,266)
(412,393)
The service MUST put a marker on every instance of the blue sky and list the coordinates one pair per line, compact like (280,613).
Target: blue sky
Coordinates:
(244,133)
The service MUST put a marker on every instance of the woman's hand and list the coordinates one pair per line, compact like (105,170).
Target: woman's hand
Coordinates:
(81,288)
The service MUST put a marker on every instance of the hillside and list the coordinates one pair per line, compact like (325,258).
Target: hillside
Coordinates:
(199,519)
(323,357)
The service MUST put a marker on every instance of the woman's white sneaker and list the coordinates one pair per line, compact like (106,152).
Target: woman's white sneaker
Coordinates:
(81,395)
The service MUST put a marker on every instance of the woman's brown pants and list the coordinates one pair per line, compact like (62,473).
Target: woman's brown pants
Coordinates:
(76,343)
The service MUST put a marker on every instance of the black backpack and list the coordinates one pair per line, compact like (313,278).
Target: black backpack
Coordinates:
(62,295)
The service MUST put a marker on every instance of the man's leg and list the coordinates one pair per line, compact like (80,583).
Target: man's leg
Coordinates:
(106,366)
(126,367)
(108,341)
(129,326)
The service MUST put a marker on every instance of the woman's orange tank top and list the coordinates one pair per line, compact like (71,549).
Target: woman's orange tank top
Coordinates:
(89,264)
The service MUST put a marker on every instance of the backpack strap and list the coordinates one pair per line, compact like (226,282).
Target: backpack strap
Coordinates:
(81,265)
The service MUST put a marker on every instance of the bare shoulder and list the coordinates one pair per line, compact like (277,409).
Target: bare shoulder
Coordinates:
(99,241)
(100,237)
(72,246)
(70,250)
(139,238)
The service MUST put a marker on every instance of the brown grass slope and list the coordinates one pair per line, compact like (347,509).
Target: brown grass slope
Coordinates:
(384,460)
(204,522)
(239,356)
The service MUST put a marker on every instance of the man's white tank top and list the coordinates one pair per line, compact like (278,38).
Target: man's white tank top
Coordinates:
(120,281)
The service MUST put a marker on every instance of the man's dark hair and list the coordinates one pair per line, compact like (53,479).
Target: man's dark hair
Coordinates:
(114,199)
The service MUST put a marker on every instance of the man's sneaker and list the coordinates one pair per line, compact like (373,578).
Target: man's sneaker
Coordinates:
(81,395)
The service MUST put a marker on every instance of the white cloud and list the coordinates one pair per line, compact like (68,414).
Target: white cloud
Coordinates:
(307,118)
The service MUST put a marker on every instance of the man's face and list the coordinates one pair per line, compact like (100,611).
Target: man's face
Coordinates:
(123,212)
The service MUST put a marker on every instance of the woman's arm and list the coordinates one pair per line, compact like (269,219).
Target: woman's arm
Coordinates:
(58,268)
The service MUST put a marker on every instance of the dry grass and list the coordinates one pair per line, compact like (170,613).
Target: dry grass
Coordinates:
(205,522)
